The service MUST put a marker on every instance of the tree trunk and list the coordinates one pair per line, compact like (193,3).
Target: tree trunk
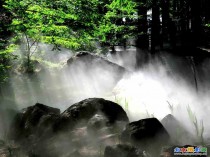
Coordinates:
(207,11)
(196,21)
(142,39)
(174,8)
(165,19)
(155,32)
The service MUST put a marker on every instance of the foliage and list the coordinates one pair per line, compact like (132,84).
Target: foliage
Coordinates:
(199,128)
(68,23)
(171,107)
(4,49)
(76,25)
(207,25)
(122,102)
(149,115)
(114,27)
(38,20)
(5,56)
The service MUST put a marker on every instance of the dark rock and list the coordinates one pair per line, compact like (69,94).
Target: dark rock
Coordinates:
(9,150)
(81,112)
(46,125)
(32,127)
(89,67)
(97,122)
(44,132)
(149,134)
(178,134)
(123,150)
(29,121)
(2,143)
(75,154)
(92,60)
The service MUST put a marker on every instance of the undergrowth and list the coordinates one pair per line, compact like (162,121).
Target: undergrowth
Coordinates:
(199,127)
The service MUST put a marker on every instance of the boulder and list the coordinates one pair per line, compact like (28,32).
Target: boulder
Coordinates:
(33,120)
(42,131)
(9,149)
(123,150)
(97,122)
(86,110)
(95,73)
(179,135)
(149,134)
(90,61)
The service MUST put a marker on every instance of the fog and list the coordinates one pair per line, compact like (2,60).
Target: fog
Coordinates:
(143,93)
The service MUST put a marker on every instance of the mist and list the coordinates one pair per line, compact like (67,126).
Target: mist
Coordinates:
(146,92)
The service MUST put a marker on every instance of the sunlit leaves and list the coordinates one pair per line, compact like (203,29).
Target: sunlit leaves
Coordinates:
(125,6)
(9,49)
(60,22)
(40,18)
(113,28)
(4,62)
(66,42)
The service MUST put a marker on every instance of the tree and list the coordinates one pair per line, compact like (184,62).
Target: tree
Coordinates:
(142,25)
(116,24)
(71,24)
(39,21)
(5,20)
(155,30)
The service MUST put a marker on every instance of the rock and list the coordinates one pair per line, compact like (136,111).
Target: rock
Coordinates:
(91,60)
(91,123)
(81,113)
(9,150)
(94,73)
(175,129)
(148,133)
(97,122)
(46,125)
(123,150)
(32,127)
(44,132)
(75,154)
(32,120)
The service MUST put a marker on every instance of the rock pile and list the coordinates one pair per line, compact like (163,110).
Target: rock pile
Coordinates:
(94,127)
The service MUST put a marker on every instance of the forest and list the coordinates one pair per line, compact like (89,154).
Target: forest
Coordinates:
(84,26)
(104,78)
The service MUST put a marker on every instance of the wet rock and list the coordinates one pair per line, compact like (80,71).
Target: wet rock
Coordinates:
(123,150)
(75,154)
(148,133)
(97,122)
(9,150)
(33,127)
(31,120)
(80,113)
(44,132)
(178,134)
(46,125)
